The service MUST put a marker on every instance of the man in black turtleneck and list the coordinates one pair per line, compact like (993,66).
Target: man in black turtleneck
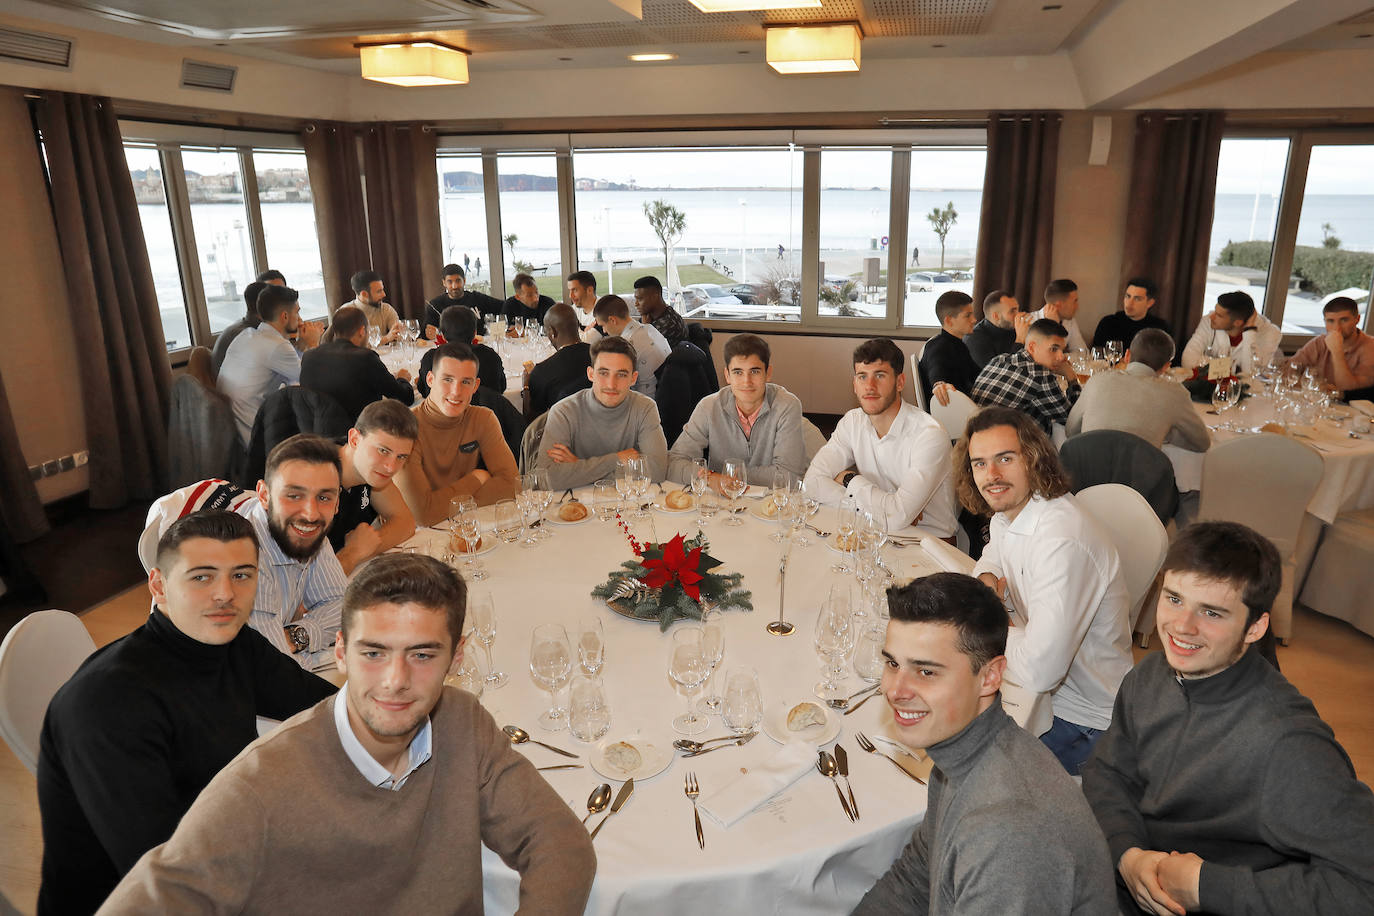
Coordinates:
(147,721)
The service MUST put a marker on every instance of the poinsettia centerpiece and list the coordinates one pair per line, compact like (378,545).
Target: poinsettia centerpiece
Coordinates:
(671,581)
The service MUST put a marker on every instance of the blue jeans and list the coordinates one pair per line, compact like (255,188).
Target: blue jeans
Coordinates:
(1070,743)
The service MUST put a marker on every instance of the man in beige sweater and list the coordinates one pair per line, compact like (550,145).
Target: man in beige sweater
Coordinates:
(378,800)
(460,450)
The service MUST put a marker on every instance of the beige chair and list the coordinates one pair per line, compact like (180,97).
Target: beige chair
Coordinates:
(1135,531)
(813,440)
(914,379)
(529,443)
(38,656)
(954,415)
(1341,579)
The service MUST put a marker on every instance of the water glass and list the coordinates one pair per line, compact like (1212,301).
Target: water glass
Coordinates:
(688,668)
(374,336)
(550,666)
(868,651)
(589,715)
(833,639)
(467,675)
(713,647)
(591,644)
(743,706)
(482,614)
(605,499)
(510,523)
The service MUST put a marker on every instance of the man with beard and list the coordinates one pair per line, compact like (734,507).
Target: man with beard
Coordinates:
(456,293)
(376,450)
(889,456)
(1002,330)
(261,359)
(300,581)
(381,799)
(146,722)
(370,295)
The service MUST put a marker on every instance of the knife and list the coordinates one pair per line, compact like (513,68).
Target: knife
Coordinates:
(562,766)
(842,759)
(624,795)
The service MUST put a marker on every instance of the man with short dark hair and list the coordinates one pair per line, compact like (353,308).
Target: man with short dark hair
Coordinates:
(370,296)
(1218,786)
(891,457)
(1055,568)
(589,432)
(653,310)
(582,296)
(456,293)
(1002,330)
(261,359)
(1233,328)
(348,370)
(527,302)
(1141,400)
(459,324)
(945,362)
(651,347)
(1135,316)
(751,420)
(1061,305)
(1345,356)
(147,721)
(1006,830)
(565,372)
(249,320)
(377,448)
(1029,379)
(381,799)
(272,277)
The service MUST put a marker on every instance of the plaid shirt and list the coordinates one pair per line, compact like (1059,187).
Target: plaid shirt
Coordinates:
(1015,380)
(671,326)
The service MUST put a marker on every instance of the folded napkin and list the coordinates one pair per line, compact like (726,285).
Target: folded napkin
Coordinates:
(1364,407)
(747,792)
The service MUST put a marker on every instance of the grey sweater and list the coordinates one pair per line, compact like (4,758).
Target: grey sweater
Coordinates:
(1240,770)
(1006,831)
(594,433)
(774,442)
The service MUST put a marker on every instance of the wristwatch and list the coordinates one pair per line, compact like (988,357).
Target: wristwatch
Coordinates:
(848,477)
(300,640)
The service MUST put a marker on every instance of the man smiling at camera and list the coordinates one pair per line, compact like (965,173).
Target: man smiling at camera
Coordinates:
(1219,788)
(381,799)
(1006,830)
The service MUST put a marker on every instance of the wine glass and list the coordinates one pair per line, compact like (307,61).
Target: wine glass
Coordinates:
(637,482)
(713,647)
(470,530)
(743,706)
(701,482)
(846,533)
(688,667)
(550,666)
(782,499)
(833,638)
(624,479)
(374,336)
(542,497)
(1113,353)
(467,675)
(459,505)
(735,483)
(605,499)
(510,523)
(528,501)
(482,614)
(591,644)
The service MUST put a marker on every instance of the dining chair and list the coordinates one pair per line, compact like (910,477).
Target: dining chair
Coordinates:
(916,387)
(954,415)
(1136,533)
(1113,456)
(1341,578)
(529,443)
(38,656)
(813,440)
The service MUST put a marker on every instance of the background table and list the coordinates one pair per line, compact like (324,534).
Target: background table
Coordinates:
(513,352)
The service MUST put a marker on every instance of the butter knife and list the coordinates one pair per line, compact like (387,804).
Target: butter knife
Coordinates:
(621,798)
(842,759)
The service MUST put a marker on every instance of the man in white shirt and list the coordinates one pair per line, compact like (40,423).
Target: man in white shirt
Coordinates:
(261,359)
(1061,305)
(1058,572)
(651,347)
(890,456)
(582,297)
(1233,328)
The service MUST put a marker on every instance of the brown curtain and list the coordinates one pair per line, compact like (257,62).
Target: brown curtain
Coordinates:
(1173,189)
(331,155)
(118,343)
(1016,229)
(403,212)
(21,512)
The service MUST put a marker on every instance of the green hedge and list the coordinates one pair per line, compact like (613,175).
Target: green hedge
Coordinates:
(1322,270)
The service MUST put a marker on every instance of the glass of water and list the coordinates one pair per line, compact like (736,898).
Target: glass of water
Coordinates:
(742,708)
(588,712)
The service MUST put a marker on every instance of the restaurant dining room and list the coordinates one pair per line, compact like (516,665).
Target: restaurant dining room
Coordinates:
(483,409)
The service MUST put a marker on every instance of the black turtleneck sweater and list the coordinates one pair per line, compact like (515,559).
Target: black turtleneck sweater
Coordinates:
(132,738)
(1238,769)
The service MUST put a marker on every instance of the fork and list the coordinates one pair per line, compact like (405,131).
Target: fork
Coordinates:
(869,746)
(819,532)
(738,742)
(693,789)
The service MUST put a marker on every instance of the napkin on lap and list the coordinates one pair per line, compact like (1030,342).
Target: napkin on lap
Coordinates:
(747,792)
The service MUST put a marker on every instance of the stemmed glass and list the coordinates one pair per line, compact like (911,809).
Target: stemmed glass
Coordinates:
(701,482)
(498,327)
(542,496)
(782,499)
(624,479)
(469,529)
(530,508)
(846,534)
(374,336)
(1225,395)
(713,647)
(591,644)
(458,505)
(1113,348)
(550,667)
(688,667)
(834,637)
(743,706)
(735,483)
(482,614)
(637,473)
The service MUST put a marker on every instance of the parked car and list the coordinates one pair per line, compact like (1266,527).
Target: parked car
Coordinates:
(747,293)
(926,281)
(696,295)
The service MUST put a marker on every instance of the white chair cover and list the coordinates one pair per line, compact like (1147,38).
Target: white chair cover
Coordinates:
(813,440)
(914,380)
(1139,538)
(38,656)
(954,416)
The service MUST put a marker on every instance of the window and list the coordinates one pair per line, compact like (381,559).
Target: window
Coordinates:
(529,216)
(856,197)
(287,210)
(1249,189)
(145,168)
(214,189)
(462,211)
(944,206)
(1334,255)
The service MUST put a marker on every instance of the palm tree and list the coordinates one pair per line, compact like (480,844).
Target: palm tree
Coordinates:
(668,223)
(942,221)
(510,241)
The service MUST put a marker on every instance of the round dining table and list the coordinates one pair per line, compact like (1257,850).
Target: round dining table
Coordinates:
(514,353)
(798,852)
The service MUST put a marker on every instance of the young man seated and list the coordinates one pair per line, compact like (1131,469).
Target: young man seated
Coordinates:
(750,420)
(651,347)
(563,373)
(1344,356)
(1061,305)
(377,448)
(1218,786)
(1233,328)
(458,324)
(945,361)
(348,370)
(1030,379)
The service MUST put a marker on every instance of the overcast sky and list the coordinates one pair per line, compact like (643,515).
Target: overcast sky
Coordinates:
(1257,166)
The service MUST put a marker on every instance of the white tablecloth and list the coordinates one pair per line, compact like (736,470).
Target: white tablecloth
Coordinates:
(799,854)
(513,352)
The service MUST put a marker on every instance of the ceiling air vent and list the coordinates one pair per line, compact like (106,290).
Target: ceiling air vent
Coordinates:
(197,74)
(35,47)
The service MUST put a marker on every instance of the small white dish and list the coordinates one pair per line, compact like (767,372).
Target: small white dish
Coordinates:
(775,724)
(553,518)
(662,507)
(655,756)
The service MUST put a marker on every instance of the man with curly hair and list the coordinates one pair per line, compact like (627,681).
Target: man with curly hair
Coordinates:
(1055,569)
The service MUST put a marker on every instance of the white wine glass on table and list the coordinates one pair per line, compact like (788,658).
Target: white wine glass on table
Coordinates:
(528,501)
(688,668)
(833,640)
(846,534)
(624,480)
(459,505)
(543,498)
(736,481)
(701,482)
(374,336)
(591,644)
(509,521)
(550,667)
(742,708)
(482,614)
(713,647)
(781,491)
(469,529)
(638,470)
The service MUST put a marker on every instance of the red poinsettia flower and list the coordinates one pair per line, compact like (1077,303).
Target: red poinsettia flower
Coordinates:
(676,565)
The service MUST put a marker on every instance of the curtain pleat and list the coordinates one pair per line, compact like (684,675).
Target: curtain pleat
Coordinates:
(331,155)
(399,162)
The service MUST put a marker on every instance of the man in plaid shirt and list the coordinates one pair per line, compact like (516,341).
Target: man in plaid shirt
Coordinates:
(1028,379)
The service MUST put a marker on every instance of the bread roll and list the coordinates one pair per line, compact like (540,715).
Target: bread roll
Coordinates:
(460,544)
(804,716)
(846,540)
(624,757)
(678,499)
(572,511)
(769,506)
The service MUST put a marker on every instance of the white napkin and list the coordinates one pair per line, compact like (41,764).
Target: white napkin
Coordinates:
(1364,407)
(742,795)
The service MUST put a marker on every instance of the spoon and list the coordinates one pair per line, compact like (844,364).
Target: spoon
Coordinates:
(738,742)
(598,800)
(687,744)
(844,703)
(519,736)
(828,767)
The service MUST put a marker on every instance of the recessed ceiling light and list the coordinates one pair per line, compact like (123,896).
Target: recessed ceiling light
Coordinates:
(657,55)
(738,6)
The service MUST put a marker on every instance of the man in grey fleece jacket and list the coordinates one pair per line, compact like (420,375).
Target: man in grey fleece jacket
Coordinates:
(1006,830)
(751,421)
(588,432)
(1219,788)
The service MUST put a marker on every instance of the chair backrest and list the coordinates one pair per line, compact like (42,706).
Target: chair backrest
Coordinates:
(1112,456)
(529,443)
(701,335)
(284,413)
(201,366)
(683,380)
(954,415)
(1263,481)
(38,656)
(1135,531)
(915,381)
(813,440)
(202,440)
(507,414)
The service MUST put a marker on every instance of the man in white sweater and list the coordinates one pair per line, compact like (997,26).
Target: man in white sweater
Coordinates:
(1233,328)
(1057,571)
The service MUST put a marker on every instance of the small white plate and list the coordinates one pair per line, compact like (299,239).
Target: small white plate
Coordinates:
(655,754)
(489,542)
(757,511)
(775,724)
(661,507)
(553,518)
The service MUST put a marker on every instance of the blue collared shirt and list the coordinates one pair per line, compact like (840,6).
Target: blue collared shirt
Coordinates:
(258,362)
(371,770)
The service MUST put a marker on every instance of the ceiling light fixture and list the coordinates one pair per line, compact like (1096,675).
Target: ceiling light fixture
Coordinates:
(827,47)
(659,55)
(414,63)
(740,6)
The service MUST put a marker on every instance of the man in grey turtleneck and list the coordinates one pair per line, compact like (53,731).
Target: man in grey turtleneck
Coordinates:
(1006,829)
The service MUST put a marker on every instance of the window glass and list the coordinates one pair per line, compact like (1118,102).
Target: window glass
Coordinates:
(288,225)
(856,188)
(1249,187)
(942,228)
(463,215)
(1335,246)
(214,187)
(529,216)
(145,168)
(719,228)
